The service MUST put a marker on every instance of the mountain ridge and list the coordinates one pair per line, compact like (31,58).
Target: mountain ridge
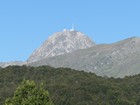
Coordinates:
(73,49)
(61,43)
(103,59)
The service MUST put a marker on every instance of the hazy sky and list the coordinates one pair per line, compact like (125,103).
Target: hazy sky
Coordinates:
(25,24)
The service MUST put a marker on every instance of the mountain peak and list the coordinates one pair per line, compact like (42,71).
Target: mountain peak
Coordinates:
(61,43)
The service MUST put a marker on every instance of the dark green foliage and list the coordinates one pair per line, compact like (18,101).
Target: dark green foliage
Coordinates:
(29,94)
(70,87)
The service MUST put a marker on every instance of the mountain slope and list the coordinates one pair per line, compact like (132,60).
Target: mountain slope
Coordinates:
(61,43)
(5,64)
(118,60)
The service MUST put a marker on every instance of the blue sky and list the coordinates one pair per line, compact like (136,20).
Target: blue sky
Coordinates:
(26,24)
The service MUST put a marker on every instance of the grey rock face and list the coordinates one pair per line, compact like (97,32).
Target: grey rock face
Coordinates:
(61,43)
(75,50)
(113,60)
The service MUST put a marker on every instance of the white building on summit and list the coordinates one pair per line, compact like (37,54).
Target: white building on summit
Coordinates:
(72,28)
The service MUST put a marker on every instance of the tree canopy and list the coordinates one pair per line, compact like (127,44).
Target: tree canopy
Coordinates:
(69,87)
(29,94)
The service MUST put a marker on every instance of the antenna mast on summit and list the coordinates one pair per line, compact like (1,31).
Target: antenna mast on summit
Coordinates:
(72,28)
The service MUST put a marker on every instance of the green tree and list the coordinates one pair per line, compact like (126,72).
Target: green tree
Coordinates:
(29,94)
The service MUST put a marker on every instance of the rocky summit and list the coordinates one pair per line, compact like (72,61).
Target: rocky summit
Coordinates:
(73,49)
(61,43)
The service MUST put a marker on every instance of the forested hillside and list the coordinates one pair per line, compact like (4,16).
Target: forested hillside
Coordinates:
(70,87)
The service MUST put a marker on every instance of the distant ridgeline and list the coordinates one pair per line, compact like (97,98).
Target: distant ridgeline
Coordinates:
(71,87)
(75,50)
